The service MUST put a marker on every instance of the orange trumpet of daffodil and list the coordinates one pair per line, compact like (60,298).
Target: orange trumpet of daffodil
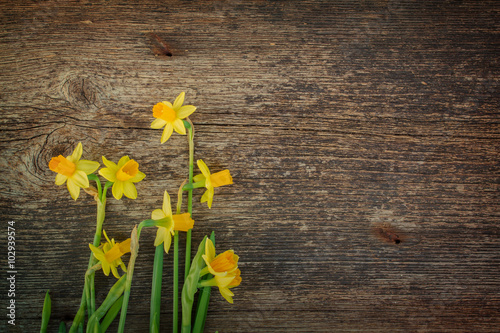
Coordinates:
(109,255)
(123,175)
(212,181)
(182,222)
(171,115)
(224,268)
(73,171)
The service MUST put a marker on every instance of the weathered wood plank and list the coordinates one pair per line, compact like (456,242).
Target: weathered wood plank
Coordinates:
(364,140)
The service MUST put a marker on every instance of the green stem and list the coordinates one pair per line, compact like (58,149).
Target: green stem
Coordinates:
(191,186)
(190,135)
(154,313)
(101,208)
(175,326)
(175,321)
(201,312)
(114,294)
(89,282)
(134,250)
(97,182)
(85,302)
(203,300)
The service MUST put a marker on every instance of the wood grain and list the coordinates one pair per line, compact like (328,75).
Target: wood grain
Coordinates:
(337,119)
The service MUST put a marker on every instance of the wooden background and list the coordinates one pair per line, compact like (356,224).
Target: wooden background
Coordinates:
(363,137)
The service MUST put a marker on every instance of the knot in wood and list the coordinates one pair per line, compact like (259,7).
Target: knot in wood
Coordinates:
(81,92)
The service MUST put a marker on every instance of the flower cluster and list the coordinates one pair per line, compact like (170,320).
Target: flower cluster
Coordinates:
(206,270)
(75,172)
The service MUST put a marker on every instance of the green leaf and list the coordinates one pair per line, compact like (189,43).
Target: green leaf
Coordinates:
(47,307)
(114,293)
(112,313)
(191,286)
(62,327)
(154,319)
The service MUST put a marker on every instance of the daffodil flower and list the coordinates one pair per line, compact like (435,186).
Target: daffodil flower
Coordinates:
(182,222)
(224,268)
(211,181)
(109,255)
(123,175)
(171,116)
(73,171)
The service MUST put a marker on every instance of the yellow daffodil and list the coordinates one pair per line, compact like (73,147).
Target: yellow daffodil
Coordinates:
(222,264)
(171,116)
(181,222)
(109,255)
(73,171)
(123,175)
(224,268)
(211,181)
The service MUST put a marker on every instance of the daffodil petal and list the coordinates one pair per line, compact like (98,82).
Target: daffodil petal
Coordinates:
(160,235)
(204,197)
(203,168)
(117,190)
(77,153)
(214,272)
(237,280)
(87,166)
(60,179)
(108,174)
(227,294)
(224,281)
(208,197)
(115,272)
(167,208)
(123,161)
(129,190)
(74,190)
(105,267)
(106,235)
(97,252)
(179,126)
(210,250)
(80,179)
(158,123)
(179,101)
(186,111)
(167,103)
(110,164)
(167,241)
(207,261)
(198,178)
(167,132)
(158,214)
(138,177)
